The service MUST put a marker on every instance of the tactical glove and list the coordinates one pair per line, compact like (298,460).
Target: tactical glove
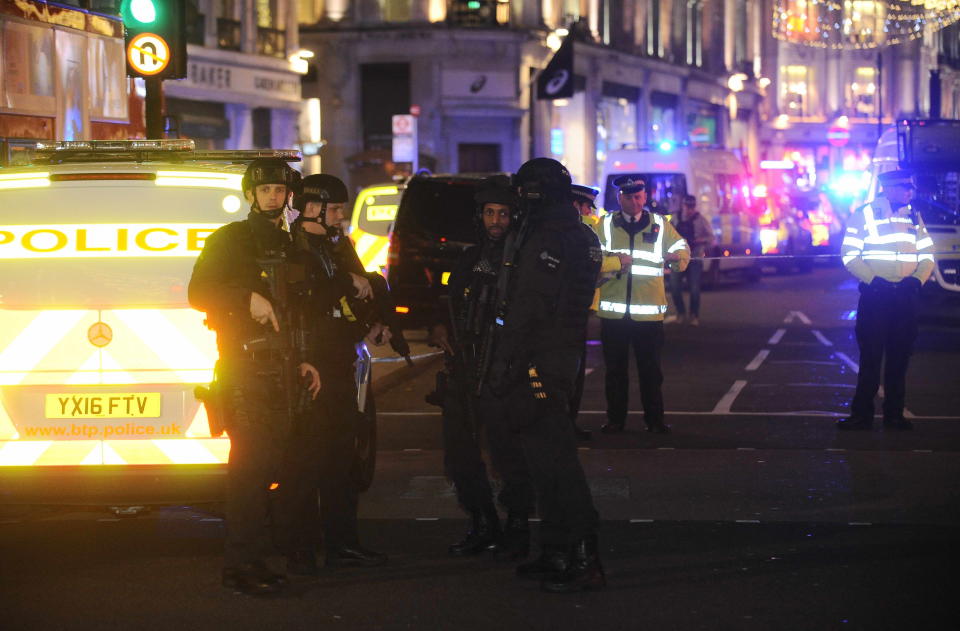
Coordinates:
(911,283)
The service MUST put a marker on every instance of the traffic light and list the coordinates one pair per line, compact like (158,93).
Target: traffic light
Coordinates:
(156,38)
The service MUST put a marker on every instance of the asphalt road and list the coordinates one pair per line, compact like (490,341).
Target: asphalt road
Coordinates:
(753,514)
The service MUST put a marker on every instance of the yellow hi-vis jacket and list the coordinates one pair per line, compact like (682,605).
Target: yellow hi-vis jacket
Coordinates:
(639,293)
(880,242)
(610,263)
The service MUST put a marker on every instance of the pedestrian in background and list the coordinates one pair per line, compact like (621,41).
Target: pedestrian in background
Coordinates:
(696,231)
(888,249)
(633,302)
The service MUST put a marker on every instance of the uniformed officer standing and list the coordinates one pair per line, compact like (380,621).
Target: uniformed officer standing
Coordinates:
(633,301)
(467,416)
(551,281)
(584,200)
(228,284)
(888,249)
(322,451)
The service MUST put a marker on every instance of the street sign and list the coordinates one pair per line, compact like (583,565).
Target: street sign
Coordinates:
(405,139)
(148,54)
(838,136)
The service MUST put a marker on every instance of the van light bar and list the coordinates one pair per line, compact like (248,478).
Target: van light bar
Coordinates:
(115,145)
(199,178)
(82,177)
(24,180)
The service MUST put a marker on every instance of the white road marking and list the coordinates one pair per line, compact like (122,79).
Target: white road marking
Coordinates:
(724,404)
(854,366)
(776,337)
(823,340)
(714,412)
(799,315)
(641,521)
(802,361)
(755,363)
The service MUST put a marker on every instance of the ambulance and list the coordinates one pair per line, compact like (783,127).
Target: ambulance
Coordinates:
(931,149)
(719,181)
(99,350)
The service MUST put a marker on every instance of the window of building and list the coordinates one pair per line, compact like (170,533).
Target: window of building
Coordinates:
(477,12)
(861,92)
(864,22)
(196,22)
(694,35)
(616,118)
(271,36)
(795,84)
(742,60)
(568,135)
(654,42)
(228,24)
(398,10)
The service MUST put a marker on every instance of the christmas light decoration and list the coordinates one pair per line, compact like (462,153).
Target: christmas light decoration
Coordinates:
(860,23)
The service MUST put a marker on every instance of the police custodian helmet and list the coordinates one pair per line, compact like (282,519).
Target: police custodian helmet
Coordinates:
(321,187)
(270,171)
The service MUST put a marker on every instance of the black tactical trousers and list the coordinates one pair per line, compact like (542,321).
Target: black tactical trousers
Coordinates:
(317,498)
(463,462)
(257,426)
(564,502)
(886,330)
(646,339)
(578,384)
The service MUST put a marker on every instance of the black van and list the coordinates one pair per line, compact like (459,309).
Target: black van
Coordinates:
(434,224)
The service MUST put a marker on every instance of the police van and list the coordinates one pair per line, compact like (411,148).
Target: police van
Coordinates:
(719,181)
(99,350)
(374,212)
(930,148)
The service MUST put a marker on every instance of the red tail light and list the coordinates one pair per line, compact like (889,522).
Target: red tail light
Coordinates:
(393,252)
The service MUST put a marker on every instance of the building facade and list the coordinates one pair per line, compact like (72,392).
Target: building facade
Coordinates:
(63,75)
(644,72)
(826,106)
(242,88)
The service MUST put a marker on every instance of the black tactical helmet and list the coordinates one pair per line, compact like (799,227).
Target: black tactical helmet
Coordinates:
(543,177)
(496,189)
(270,171)
(320,187)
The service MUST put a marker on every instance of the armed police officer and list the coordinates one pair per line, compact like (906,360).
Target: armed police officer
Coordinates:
(633,301)
(549,273)
(243,281)
(323,448)
(468,340)
(888,250)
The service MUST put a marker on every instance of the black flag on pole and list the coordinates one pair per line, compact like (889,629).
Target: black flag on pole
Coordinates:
(556,80)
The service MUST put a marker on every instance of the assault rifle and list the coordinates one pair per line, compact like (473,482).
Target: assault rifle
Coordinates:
(511,247)
(285,280)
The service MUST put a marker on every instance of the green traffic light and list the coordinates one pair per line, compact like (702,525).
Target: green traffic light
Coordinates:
(473,5)
(143,11)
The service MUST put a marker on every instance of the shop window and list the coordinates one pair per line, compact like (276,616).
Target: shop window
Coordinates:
(864,22)
(107,78)
(663,117)
(733,194)
(262,133)
(271,37)
(795,83)
(568,141)
(27,82)
(861,92)
(616,118)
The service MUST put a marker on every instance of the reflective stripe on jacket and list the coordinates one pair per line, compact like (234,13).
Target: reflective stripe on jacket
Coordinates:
(638,291)
(880,242)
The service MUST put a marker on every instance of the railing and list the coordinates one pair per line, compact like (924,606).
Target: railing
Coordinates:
(271,41)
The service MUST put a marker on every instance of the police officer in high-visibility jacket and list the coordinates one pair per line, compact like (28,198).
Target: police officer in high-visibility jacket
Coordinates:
(633,301)
(887,248)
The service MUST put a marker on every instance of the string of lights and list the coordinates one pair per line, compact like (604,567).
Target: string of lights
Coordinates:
(860,23)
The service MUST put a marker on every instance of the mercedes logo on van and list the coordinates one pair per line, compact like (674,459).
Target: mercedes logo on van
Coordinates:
(100,334)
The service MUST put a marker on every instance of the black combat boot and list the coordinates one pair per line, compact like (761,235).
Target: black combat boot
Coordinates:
(553,560)
(584,571)
(484,532)
(253,579)
(514,542)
